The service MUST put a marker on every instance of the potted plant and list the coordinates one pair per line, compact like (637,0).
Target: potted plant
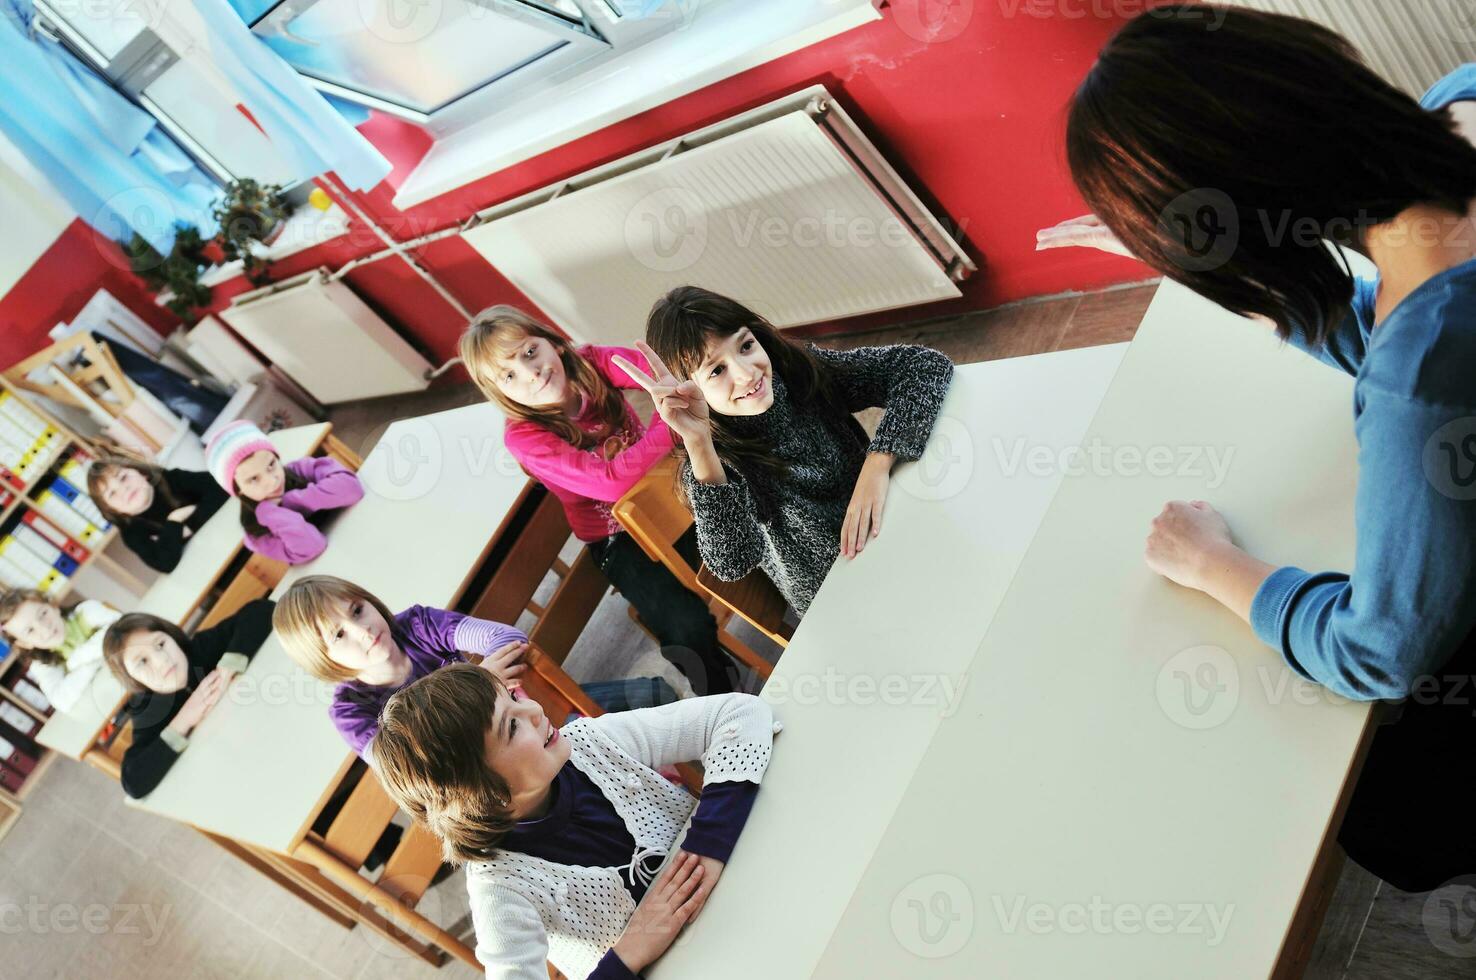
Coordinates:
(175,276)
(250,212)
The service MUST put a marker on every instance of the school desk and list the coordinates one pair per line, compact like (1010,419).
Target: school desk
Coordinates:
(1118,761)
(441,494)
(175,596)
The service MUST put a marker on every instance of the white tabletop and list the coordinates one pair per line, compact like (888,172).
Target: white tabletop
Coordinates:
(1131,784)
(437,488)
(175,597)
(880,658)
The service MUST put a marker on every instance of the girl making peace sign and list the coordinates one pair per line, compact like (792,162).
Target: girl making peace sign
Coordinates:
(779,474)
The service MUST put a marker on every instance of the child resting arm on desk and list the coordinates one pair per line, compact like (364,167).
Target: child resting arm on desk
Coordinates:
(341,633)
(176,680)
(281,504)
(563,829)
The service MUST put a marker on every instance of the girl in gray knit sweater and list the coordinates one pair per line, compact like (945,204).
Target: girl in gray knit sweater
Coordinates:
(779,474)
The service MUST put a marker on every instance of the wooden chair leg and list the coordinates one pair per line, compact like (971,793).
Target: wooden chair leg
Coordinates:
(339,450)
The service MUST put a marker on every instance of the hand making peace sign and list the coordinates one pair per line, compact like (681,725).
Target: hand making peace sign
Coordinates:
(680,403)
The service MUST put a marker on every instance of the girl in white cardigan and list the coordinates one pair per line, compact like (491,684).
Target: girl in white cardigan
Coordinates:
(563,829)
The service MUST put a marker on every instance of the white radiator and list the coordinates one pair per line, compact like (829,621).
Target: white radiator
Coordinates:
(787,208)
(327,339)
(1412,43)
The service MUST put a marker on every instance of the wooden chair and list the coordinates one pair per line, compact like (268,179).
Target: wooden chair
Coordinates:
(654,517)
(509,592)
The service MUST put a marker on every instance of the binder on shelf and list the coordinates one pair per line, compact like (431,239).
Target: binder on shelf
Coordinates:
(31,695)
(11,479)
(18,411)
(45,550)
(17,719)
(79,502)
(35,571)
(54,535)
(61,513)
(12,577)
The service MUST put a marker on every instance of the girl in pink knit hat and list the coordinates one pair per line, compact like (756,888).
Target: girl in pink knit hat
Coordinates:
(279,503)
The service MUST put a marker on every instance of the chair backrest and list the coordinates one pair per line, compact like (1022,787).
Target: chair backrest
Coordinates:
(652,514)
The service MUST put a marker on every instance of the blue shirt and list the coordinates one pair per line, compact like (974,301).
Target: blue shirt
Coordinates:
(1411,599)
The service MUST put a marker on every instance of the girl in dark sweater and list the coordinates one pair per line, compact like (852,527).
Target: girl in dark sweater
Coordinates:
(175,681)
(779,474)
(156,510)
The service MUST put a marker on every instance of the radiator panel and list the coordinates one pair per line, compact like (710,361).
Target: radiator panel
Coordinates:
(776,215)
(327,340)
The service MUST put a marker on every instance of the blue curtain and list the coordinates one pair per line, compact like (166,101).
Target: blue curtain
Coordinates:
(310,134)
(104,155)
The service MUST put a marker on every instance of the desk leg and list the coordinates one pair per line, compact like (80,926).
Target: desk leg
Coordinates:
(400,917)
(339,450)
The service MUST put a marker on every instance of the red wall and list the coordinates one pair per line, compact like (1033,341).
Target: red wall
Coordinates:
(973,119)
(60,283)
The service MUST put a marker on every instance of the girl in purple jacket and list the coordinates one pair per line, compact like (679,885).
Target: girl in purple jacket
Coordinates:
(279,503)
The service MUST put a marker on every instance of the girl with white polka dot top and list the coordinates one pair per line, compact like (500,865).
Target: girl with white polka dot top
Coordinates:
(563,831)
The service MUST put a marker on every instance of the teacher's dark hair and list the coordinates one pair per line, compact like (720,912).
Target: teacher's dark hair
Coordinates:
(1223,156)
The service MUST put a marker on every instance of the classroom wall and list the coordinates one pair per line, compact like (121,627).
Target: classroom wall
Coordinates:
(972,116)
(971,112)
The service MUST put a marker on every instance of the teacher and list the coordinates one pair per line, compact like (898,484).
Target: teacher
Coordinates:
(1227,149)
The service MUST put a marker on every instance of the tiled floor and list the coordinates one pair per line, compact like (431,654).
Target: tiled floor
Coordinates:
(161,900)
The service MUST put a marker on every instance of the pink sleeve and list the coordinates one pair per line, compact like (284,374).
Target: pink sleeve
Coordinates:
(604,359)
(331,485)
(555,463)
(290,537)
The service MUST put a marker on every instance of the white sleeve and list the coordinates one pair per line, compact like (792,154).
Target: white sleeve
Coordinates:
(732,735)
(64,686)
(97,615)
(511,941)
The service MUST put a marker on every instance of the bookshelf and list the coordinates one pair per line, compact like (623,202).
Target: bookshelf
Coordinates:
(50,530)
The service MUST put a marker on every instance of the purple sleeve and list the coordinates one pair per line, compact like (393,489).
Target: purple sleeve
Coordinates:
(483,636)
(290,537)
(447,632)
(611,967)
(356,721)
(330,485)
(719,819)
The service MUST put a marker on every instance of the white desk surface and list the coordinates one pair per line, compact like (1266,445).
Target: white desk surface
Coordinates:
(175,596)
(1074,785)
(437,488)
(909,613)
(1102,755)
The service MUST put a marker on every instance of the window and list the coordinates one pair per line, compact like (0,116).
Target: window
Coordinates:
(414,58)
(188,96)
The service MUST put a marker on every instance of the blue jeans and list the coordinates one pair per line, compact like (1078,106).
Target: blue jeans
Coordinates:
(629,693)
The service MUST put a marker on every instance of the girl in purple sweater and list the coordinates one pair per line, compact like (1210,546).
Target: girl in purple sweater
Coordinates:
(340,632)
(279,503)
(343,634)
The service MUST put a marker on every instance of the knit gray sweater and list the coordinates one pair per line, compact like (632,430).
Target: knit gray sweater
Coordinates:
(800,541)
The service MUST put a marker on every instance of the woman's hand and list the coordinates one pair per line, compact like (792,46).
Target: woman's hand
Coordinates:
(507,661)
(863,516)
(1186,539)
(671,901)
(680,404)
(181,514)
(200,701)
(1087,231)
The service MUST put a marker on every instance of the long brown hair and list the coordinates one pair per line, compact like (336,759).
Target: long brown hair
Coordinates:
(10,603)
(116,639)
(1205,137)
(679,328)
(430,756)
(117,459)
(499,332)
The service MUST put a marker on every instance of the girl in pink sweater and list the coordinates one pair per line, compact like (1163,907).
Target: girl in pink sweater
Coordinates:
(571,429)
(279,503)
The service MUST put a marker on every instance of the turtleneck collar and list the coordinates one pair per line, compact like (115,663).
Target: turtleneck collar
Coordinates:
(775,418)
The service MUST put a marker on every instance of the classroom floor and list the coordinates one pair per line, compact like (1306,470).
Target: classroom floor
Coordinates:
(160,899)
